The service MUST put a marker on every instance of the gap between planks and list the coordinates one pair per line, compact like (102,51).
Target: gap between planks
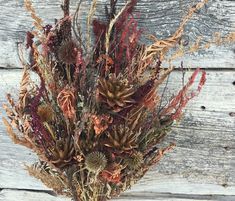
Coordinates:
(32,195)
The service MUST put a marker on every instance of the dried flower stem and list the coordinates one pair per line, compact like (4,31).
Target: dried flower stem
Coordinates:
(92,120)
(110,28)
(66,7)
(89,19)
(160,47)
(37,20)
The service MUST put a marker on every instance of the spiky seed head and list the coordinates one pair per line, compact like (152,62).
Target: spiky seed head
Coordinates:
(135,160)
(45,113)
(122,138)
(95,161)
(68,52)
(114,93)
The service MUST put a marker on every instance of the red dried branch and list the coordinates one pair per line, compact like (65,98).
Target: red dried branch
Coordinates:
(176,105)
(125,15)
(127,46)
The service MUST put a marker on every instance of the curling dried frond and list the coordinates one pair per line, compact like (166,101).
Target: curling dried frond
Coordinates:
(66,101)
(37,20)
(217,40)
(50,177)
(14,137)
(25,81)
(160,47)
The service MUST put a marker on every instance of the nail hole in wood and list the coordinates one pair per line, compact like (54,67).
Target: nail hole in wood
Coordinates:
(232,114)
(225,185)
(234,83)
(203,107)
(226,148)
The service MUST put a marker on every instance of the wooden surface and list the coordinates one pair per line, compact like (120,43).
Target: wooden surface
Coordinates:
(160,18)
(202,166)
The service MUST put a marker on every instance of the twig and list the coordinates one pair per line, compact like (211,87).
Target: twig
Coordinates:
(111,24)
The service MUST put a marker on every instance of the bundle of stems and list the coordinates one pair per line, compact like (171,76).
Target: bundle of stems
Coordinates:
(96,117)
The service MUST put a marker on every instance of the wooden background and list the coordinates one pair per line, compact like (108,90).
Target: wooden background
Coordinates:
(202,166)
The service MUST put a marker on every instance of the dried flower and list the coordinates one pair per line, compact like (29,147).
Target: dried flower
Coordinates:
(95,161)
(46,113)
(101,123)
(79,158)
(135,161)
(122,138)
(63,151)
(66,101)
(112,174)
(107,92)
(115,93)
(68,52)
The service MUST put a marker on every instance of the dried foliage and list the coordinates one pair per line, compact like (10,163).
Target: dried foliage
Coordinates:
(96,117)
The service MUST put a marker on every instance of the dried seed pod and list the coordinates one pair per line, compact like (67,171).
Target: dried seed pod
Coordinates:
(122,138)
(68,52)
(135,160)
(95,161)
(63,151)
(115,93)
(46,113)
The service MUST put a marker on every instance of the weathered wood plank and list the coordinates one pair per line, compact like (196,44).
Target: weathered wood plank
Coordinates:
(22,195)
(201,164)
(156,17)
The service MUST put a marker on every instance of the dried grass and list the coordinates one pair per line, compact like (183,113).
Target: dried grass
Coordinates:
(89,20)
(38,23)
(110,27)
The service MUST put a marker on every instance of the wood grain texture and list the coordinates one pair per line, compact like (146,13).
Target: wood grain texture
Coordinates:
(160,18)
(201,165)
(16,195)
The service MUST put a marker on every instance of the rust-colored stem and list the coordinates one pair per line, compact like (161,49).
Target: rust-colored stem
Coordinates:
(66,7)
(67,24)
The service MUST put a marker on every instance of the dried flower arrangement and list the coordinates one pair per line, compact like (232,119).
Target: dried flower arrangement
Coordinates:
(96,118)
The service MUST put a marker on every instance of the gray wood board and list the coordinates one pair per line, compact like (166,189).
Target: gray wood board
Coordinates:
(18,195)
(202,163)
(160,18)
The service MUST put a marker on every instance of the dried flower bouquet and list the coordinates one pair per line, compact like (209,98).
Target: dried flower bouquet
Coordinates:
(95,119)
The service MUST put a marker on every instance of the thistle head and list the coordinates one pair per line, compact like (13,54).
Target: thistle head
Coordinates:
(45,113)
(68,52)
(135,160)
(95,161)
